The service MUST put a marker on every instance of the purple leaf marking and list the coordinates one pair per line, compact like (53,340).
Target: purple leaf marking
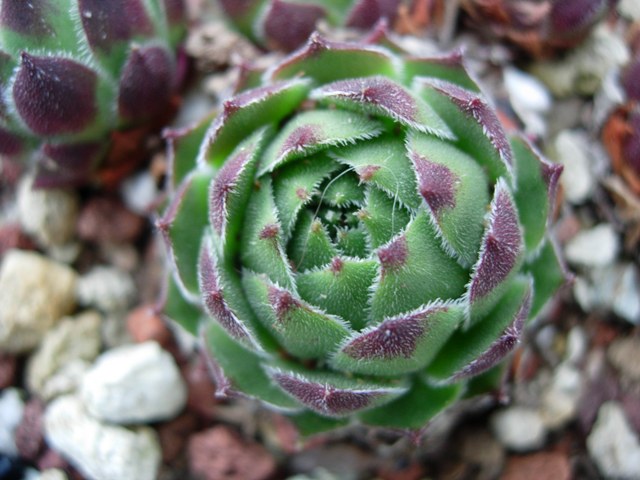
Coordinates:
(571,17)
(366,13)
(325,399)
(287,25)
(213,297)
(282,302)
(393,255)
(223,186)
(55,95)
(436,183)
(500,348)
(299,139)
(501,247)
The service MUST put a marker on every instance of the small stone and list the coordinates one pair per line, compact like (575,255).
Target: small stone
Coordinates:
(202,398)
(626,299)
(561,399)
(140,193)
(530,99)
(11,411)
(53,474)
(35,293)
(538,466)
(114,330)
(582,70)
(49,215)
(134,384)
(629,9)
(519,428)
(74,338)
(577,346)
(64,381)
(28,436)
(571,149)
(173,435)
(344,461)
(106,288)
(624,354)
(107,220)
(596,247)
(480,449)
(220,454)
(101,451)
(612,444)
(144,324)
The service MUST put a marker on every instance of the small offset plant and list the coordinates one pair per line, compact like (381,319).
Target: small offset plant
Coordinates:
(287,24)
(356,238)
(540,27)
(74,71)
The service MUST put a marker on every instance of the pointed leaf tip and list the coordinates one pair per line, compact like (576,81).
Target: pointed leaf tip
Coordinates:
(394,255)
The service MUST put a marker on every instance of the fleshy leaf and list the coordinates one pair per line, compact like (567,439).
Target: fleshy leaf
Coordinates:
(248,111)
(310,423)
(311,245)
(286,25)
(353,242)
(214,297)
(146,84)
(402,344)
(549,273)
(537,183)
(572,18)
(303,330)
(500,255)
(316,130)
(296,184)
(243,369)
(334,396)
(340,288)
(178,309)
(474,123)
(455,189)
(487,342)
(55,95)
(382,217)
(366,13)
(383,162)
(261,243)
(448,67)
(384,97)
(67,164)
(346,60)
(414,409)
(230,190)
(182,226)
(415,270)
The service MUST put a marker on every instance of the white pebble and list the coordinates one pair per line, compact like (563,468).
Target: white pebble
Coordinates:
(530,99)
(571,149)
(519,428)
(108,289)
(134,384)
(11,410)
(100,451)
(596,247)
(612,444)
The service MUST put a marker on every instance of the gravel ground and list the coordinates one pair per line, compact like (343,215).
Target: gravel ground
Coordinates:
(94,384)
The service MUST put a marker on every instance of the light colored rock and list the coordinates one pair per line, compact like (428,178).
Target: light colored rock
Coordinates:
(100,451)
(35,293)
(519,428)
(530,99)
(66,380)
(582,70)
(49,215)
(571,149)
(53,474)
(626,298)
(613,445)
(106,288)
(629,9)
(595,247)
(74,338)
(11,410)
(577,346)
(134,384)
(561,398)
(624,354)
(140,193)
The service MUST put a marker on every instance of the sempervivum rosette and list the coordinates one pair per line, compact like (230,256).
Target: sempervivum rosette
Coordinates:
(73,71)
(357,237)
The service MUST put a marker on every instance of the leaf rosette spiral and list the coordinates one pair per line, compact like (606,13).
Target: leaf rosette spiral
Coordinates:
(356,236)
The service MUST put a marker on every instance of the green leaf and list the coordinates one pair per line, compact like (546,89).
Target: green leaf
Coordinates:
(415,270)
(296,184)
(310,423)
(352,242)
(340,288)
(316,130)
(178,309)
(261,243)
(549,274)
(342,191)
(383,162)
(382,217)
(456,191)
(449,67)
(310,245)
(402,344)
(243,369)
(415,408)
(302,329)
(249,111)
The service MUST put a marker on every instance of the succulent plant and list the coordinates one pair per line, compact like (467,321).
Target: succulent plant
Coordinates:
(73,71)
(540,27)
(287,24)
(356,236)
